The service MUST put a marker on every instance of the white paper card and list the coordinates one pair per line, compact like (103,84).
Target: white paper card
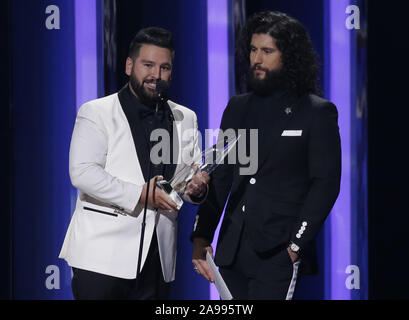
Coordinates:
(218,280)
(292,133)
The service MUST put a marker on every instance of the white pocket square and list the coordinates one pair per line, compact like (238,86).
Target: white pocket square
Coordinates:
(292,133)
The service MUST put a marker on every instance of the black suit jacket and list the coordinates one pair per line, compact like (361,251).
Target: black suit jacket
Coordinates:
(294,189)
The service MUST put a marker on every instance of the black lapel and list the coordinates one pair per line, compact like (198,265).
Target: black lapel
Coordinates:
(138,133)
(243,115)
(174,146)
(286,111)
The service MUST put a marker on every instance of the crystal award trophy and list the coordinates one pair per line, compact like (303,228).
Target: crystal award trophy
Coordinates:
(211,158)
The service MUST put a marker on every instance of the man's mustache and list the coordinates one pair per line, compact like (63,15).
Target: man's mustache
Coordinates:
(257,67)
(156,81)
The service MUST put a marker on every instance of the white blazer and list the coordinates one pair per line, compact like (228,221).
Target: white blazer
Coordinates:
(104,233)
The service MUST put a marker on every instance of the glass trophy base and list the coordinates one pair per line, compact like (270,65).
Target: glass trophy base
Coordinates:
(173,195)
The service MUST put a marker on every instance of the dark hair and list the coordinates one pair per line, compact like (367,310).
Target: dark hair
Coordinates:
(300,61)
(152,35)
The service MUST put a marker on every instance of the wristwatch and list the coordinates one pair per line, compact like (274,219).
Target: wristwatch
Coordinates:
(294,248)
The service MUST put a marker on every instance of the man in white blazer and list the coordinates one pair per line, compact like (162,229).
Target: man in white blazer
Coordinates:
(110,163)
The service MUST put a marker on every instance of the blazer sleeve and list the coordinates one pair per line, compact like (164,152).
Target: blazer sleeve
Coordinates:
(324,164)
(210,211)
(88,152)
(196,155)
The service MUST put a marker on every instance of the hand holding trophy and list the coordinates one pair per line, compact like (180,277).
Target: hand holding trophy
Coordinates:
(211,158)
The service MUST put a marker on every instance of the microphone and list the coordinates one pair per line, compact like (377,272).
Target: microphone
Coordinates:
(162,87)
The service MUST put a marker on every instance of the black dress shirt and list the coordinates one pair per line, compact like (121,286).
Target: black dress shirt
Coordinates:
(149,119)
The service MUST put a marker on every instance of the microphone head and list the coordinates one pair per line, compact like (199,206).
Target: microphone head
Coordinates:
(162,87)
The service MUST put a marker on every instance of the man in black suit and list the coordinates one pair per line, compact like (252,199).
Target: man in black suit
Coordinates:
(274,215)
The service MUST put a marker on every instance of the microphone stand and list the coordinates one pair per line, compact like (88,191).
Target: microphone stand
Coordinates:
(144,220)
(160,89)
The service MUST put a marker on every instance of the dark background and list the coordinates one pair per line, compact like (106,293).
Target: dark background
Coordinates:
(6,180)
(388,160)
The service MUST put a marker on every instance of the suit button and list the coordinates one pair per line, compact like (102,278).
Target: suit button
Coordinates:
(253,181)
(243,208)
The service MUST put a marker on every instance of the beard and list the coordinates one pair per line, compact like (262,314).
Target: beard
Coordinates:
(273,81)
(147,98)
